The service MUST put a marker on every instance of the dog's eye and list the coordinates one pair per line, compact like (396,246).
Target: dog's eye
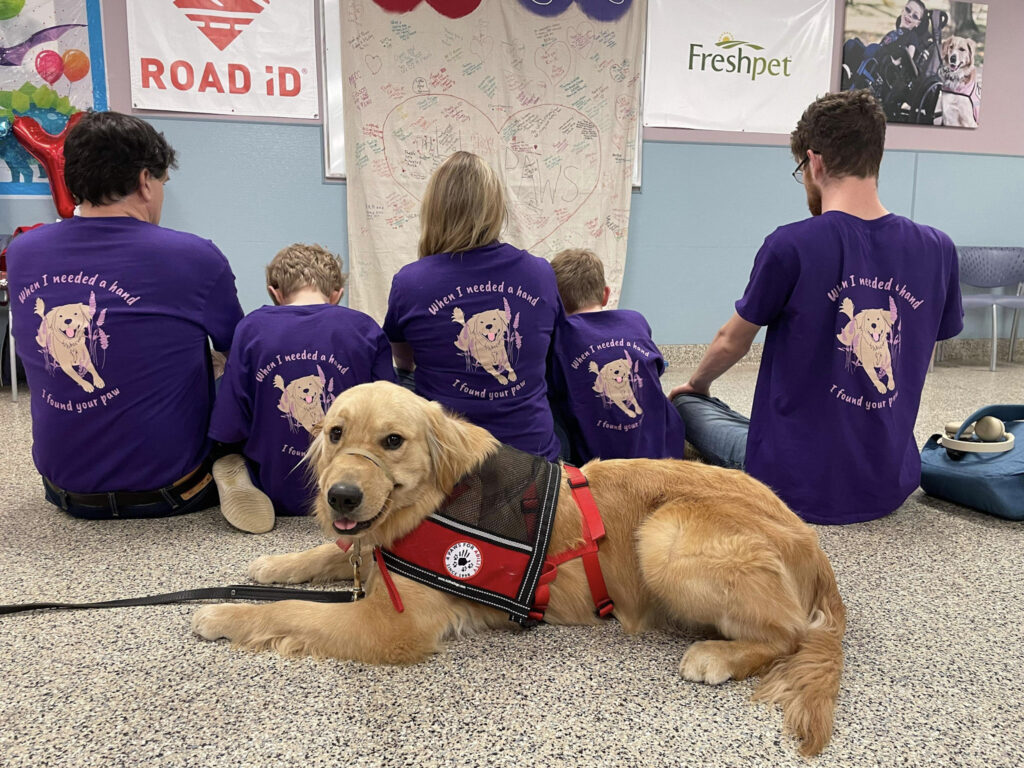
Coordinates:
(393,441)
(335,434)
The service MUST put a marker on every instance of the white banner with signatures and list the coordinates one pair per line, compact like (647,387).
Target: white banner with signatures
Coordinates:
(228,57)
(745,65)
(549,96)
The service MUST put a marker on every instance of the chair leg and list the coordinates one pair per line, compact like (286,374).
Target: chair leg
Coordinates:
(995,336)
(1013,327)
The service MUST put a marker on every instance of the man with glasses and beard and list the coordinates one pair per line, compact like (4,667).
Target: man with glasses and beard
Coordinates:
(854,299)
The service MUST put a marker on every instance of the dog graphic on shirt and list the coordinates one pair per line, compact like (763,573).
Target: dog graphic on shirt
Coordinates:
(868,336)
(64,335)
(485,339)
(302,400)
(615,382)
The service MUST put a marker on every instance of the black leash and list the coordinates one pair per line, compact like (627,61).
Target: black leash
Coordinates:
(233,592)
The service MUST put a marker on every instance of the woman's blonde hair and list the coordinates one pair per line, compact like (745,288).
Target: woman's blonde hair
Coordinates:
(463,207)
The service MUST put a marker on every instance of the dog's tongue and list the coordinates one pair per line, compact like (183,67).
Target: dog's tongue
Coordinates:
(344,524)
(490,336)
(876,336)
(69,332)
(309,398)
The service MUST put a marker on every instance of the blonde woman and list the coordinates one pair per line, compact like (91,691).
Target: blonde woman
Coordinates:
(474,316)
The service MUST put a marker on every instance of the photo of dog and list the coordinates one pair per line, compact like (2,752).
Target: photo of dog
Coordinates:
(614,382)
(302,400)
(685,543)
(868,335)
(484,337)
(64,335)
(960,98)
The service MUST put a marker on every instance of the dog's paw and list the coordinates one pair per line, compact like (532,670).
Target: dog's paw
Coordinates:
(87,386)
(880,387)
(212,622)
(100,383)
(702,664)
(273,569)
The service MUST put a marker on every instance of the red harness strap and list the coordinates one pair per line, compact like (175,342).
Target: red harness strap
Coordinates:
(593,530)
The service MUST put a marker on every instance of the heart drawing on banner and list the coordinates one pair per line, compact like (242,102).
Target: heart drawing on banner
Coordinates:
(548,155)
(554,61)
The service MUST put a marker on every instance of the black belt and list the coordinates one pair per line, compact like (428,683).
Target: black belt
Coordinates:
(184,489)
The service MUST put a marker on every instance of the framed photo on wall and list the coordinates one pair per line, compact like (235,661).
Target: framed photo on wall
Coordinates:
(921,58)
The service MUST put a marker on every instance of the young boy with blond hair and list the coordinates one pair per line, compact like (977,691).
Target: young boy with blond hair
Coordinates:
(605,372)
(288,362)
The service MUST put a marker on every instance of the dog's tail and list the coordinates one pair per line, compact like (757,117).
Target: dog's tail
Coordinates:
(806,684)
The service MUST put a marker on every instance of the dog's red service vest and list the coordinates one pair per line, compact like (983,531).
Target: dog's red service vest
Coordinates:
(489,541)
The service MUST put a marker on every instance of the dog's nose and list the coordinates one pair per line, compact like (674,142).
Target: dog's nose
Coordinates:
(67,321)
(343,497)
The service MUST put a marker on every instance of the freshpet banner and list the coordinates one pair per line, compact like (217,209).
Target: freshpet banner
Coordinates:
(745,65)
(230,57)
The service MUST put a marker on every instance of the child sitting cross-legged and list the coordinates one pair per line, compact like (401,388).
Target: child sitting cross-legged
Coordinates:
(605,372)
(287,364)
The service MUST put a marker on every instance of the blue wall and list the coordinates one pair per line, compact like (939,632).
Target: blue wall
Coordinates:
(698,221)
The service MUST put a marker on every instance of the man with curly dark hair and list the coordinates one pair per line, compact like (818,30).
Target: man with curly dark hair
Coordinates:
(113,317)
(854,299)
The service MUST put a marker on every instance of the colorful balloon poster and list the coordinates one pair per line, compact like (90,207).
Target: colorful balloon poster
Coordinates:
(51,66)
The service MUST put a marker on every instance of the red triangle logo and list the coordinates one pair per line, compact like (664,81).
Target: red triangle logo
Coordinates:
(221,20)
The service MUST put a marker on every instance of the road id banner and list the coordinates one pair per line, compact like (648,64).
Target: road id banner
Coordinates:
(745,65)
(228,57)
(546,92)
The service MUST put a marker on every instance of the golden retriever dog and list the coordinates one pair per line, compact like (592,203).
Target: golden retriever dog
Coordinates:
(485,338)
(613,382)
(63,333)
(960,98)
(301,400)
(867,334)
(685,543)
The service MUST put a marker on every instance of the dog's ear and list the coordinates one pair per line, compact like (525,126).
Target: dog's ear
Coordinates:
(970,48)
(946,44)
(456,447)
(86,313)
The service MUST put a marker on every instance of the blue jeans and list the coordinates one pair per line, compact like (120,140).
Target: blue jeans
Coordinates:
(717,432)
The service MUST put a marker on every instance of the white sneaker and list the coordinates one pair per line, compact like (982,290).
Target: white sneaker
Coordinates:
(244,505)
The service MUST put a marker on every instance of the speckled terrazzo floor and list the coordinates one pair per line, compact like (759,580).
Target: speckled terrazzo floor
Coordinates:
(934,651)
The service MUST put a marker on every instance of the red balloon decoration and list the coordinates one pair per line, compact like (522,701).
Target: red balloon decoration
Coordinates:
(49,150)
(50,66)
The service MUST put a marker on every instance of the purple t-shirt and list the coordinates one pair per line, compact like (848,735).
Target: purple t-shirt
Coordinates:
(480,325)
(853,310)
(112,318)
(605,383)
(287,365)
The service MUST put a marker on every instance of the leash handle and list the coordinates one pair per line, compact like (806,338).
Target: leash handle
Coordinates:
(233,592)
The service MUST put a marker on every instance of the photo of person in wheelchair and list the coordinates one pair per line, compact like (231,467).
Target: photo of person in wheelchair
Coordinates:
(919,69)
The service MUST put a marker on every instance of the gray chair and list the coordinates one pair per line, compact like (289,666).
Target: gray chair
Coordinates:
(994,267)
